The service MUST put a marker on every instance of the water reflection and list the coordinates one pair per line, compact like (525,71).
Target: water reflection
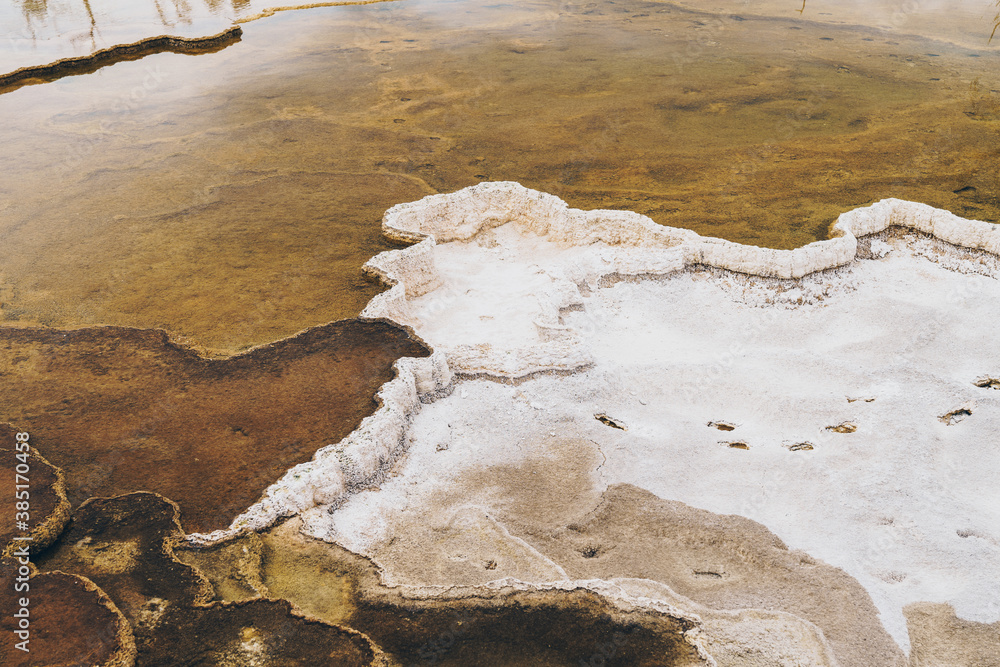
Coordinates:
(965,22)
(36,32)
(39,14)
(996,23)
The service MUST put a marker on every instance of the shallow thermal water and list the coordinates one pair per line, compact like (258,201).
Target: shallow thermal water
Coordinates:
(231,197)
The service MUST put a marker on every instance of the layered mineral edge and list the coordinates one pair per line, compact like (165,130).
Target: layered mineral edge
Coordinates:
(854,376)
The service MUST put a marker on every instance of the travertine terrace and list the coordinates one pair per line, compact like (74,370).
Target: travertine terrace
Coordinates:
(832,393)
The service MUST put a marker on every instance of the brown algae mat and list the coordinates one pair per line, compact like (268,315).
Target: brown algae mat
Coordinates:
(124,410)
(125,546)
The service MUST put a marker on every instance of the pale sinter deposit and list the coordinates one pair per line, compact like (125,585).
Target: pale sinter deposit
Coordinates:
(839,394)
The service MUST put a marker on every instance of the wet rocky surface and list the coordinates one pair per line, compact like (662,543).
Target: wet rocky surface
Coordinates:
(129,591)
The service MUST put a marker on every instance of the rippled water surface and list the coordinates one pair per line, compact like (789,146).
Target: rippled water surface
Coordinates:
(231,198)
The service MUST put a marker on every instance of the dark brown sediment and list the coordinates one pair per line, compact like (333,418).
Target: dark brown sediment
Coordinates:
(44,494)
(123,410)
(72,622)
(270,633)
(126,546)
(509,628)
(115,54)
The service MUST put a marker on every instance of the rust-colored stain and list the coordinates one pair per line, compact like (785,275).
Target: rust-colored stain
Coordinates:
(123,410)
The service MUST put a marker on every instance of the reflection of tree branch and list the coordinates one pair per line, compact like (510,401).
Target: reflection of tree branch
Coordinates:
(33,9)
(183,10)
(996,24)
(93,24)
(159,10)
(98,59)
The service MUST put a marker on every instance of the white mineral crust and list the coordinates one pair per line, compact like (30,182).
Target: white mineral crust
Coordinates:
(510,284)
